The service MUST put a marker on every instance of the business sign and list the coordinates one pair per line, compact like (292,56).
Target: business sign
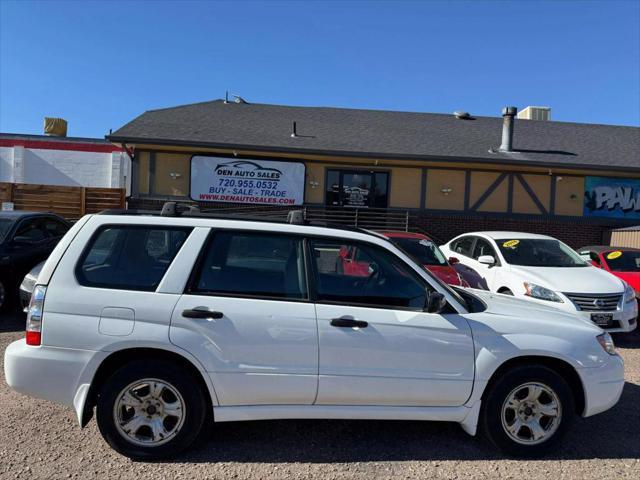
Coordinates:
(612,197)
(233,180)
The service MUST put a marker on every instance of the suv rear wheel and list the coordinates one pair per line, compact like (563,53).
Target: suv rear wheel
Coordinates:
(527,411)
(150,410)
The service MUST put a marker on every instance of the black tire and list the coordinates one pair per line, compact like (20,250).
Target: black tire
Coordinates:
(194,412)
(491,419)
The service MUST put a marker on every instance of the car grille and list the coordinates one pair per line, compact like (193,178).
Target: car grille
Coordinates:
(591,302)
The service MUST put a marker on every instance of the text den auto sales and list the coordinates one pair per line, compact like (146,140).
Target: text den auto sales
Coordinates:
(248,173)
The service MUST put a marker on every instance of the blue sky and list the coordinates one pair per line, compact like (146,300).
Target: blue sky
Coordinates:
(100,64)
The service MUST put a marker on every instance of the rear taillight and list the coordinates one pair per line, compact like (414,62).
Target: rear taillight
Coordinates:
(34,316)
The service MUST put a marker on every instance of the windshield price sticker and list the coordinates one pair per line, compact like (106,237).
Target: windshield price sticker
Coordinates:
(511,244)
(614,255)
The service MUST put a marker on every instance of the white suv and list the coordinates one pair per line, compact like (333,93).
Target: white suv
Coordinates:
(545,270)
(161,323)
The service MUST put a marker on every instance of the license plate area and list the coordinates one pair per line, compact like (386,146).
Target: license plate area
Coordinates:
(602,319)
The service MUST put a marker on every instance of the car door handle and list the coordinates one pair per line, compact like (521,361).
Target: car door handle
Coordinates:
(202,312)
(348,323)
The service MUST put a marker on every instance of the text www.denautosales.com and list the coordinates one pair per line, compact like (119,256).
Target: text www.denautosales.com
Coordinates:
(244,199)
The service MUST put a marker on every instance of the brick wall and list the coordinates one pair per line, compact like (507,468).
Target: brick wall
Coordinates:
(574,231)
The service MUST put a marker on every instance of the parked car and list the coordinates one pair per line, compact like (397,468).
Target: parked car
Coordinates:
(423,250)
(545,270)
(623,262)
(26,239)
(160,323)
(27,286)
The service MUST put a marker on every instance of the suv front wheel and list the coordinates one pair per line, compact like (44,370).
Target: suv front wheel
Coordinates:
(150,410)
(527,411)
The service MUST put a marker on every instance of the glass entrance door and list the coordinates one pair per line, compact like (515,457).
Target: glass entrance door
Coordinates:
(357,188)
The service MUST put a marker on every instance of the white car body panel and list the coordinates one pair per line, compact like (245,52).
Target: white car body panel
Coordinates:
(561,280)
(400,358)
(260,352)
(281,359)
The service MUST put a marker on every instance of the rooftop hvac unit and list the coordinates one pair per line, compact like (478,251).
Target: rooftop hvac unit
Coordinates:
(55,127)
(535,113)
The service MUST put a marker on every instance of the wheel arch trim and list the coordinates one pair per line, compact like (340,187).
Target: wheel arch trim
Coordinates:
(85,396)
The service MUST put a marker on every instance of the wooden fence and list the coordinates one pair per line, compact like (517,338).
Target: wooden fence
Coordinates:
(68,202)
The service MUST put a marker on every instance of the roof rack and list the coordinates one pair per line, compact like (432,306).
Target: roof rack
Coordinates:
(175,209)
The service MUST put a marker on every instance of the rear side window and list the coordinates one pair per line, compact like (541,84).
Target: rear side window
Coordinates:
(253,265)
(129,257)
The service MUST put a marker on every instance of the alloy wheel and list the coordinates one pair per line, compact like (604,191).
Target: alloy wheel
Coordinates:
(531,413)
(149,412)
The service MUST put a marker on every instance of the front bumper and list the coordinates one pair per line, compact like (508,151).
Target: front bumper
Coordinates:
(625,319)
(602,385)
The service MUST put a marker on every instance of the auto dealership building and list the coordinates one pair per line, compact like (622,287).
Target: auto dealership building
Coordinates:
(446,174)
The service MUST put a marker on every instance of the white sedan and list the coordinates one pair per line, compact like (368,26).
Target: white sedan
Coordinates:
(545,270)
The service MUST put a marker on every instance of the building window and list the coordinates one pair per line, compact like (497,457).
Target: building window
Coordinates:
(357,188)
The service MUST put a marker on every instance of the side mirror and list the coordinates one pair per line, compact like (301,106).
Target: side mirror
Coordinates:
(487,259)
(453,260)
(435,302)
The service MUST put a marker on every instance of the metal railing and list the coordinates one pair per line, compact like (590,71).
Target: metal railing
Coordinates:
(370,218)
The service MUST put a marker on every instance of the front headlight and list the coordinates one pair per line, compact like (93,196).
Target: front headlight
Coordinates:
(536,291)
(629,293)
(606,342)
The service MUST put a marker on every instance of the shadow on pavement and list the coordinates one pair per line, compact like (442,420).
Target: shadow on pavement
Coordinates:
(613,434)
(627,340)
(12,321)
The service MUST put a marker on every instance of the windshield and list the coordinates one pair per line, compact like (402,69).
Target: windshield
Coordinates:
(539,252)
(424,251)
(623,261)
(5,226)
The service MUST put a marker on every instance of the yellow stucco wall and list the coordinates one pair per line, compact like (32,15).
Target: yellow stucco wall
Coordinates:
(405,188)
(566,188)
(522,201)
(172,174)
(143,172)
(315,173)
(437,180)
(480,182)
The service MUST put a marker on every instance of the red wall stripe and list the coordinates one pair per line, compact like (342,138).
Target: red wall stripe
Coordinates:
(49,145)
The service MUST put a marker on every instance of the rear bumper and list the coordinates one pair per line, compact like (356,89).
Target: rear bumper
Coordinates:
(602,385)
(49,373)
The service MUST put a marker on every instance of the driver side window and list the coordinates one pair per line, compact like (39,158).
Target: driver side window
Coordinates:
(31,230)
(483,247)
(378,279)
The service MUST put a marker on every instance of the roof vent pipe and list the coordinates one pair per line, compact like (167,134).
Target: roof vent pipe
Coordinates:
(508,114)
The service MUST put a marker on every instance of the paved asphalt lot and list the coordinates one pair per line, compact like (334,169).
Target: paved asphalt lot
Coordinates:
(39,439)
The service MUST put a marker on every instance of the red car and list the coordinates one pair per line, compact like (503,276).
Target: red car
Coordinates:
(622,262)
(419,246)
